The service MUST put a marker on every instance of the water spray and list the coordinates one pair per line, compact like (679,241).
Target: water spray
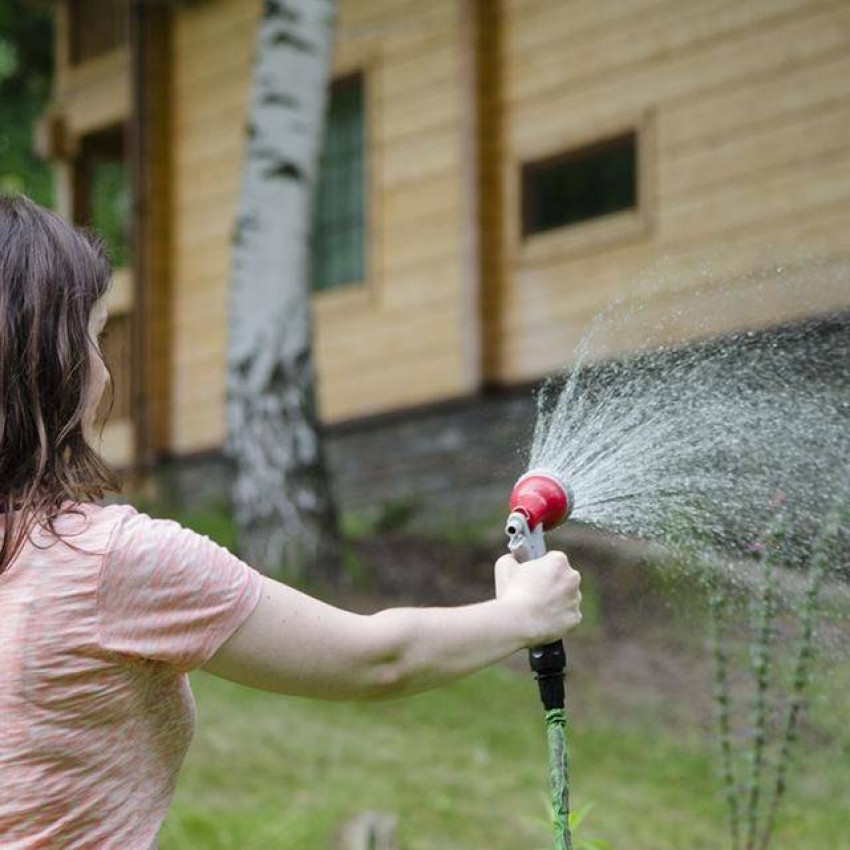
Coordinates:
(541,501)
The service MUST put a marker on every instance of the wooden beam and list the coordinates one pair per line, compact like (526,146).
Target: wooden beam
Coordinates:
(470,199)
(491,147)
(150,51)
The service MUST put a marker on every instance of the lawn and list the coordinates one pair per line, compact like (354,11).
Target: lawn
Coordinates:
(464,768)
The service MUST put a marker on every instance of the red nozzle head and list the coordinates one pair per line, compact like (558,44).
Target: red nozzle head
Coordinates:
(542,498)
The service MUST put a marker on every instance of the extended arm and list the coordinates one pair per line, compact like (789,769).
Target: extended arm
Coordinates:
(295,644)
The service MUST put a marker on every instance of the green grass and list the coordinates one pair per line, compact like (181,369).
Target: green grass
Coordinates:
(464,768)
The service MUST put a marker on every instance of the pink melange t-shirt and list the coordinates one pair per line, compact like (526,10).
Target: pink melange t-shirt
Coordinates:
(96,712)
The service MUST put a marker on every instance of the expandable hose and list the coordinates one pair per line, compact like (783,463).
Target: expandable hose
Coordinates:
(559,777)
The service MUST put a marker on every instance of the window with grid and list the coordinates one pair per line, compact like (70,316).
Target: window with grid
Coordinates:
(580,184)
(339,214)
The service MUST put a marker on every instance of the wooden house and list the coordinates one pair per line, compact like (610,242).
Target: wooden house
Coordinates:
(495,173)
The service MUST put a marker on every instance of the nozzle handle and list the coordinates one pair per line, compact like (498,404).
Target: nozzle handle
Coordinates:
(524,543)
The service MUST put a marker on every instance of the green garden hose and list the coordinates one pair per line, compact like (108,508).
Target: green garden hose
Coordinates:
(559,777)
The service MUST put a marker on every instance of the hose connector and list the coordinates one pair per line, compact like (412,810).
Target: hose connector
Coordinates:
(549,663)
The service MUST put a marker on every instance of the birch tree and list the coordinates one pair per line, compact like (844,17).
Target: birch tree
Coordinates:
(281,495)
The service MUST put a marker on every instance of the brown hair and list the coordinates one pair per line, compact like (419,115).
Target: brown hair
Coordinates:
(51,275)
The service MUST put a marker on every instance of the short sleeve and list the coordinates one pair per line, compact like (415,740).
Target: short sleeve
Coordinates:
(170,594)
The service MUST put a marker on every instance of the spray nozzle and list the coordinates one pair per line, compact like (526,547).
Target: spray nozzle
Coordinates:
(540,502)
(542,498)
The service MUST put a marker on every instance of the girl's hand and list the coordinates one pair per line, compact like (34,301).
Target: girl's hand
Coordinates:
(543,594)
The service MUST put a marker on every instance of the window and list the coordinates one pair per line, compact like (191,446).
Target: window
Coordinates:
(102,202)
(580,185)
(339,215)
(102,191)
(95,28)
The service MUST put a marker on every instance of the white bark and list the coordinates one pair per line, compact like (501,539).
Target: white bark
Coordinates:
(284,509)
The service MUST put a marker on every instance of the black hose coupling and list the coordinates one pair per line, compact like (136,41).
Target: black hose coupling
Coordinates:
(549,662)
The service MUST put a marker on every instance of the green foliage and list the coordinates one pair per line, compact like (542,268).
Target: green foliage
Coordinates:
(218,525)
(473,532)
(356,525)
(800,680)
(110,208)
(395,515)
(581,841)
(355,568)
(214,520)
(26,68)
(763,613)
(391,516)
(8,60)
(722,706)
(749,825)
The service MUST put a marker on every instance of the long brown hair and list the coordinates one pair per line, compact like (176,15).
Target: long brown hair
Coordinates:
(51,275)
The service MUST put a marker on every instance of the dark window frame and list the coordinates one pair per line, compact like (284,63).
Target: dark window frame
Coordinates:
(530,171)
(319,282)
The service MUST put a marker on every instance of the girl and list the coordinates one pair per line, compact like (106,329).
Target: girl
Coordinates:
(103,610)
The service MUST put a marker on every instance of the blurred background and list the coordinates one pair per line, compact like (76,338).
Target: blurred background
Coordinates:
(494,174)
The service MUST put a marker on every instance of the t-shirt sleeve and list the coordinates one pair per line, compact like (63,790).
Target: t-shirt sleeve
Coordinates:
(170,594)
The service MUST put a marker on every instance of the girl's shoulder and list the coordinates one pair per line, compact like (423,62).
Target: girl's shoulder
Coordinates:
(84,526)
(81,516)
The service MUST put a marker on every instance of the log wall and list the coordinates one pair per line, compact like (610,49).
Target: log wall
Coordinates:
(743,117)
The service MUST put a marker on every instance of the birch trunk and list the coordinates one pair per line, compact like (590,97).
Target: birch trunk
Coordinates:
(281,495)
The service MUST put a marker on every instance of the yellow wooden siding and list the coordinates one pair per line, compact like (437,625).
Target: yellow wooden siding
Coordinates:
(94,95)
(212,45)
(117,436)
(746,117)
(396,339)
(489,40)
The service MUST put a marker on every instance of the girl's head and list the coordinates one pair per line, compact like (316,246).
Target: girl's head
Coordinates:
(52,284)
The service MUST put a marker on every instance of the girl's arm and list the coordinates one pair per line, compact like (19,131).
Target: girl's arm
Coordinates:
(294,644)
